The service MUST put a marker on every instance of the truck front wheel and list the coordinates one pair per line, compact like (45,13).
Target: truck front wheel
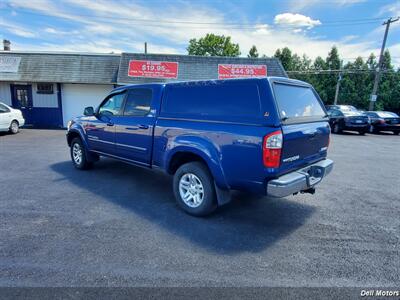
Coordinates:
(78,155)
(194,189)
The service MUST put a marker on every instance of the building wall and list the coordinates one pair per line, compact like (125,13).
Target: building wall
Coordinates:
(5,93)
(44,100)
(75,97)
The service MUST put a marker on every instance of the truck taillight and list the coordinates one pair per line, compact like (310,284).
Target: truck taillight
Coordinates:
(272,148)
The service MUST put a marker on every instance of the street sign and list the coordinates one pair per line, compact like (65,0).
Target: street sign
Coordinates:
(374,97)
(241,71)
(153,69)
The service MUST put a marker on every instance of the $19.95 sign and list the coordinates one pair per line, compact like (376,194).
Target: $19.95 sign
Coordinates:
(240,71)
(153,69)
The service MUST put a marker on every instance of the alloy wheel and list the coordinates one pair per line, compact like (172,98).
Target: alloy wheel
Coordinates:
(191,190)
(14,127)
(77,153)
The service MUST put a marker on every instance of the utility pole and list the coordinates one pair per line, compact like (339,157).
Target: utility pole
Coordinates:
(337,88)
(145,47)
(379,69)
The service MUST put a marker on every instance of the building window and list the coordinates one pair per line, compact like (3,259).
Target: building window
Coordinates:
(45,88)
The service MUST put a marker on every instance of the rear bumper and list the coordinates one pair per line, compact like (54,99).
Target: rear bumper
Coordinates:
(356,127)
(387,128)
(21,122)
(300,180)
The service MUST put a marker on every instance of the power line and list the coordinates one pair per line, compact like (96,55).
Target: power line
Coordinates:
(156,23)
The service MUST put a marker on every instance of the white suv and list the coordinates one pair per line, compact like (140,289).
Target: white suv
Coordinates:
(10,119)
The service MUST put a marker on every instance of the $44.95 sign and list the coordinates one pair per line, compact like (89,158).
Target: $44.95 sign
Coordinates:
(240,71)
(153,69)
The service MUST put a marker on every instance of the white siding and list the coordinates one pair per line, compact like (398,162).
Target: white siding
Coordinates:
(75,97)
(44,100)
(5,93)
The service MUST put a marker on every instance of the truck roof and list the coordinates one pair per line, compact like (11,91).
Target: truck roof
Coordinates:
(216,81)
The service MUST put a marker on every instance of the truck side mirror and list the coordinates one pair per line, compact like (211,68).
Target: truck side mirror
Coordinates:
(89,111)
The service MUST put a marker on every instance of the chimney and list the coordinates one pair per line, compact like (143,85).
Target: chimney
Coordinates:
(7,45)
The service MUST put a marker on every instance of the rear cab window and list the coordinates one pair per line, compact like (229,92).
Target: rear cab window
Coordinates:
(235,102)
(386,114)
(138,102)
(297,103)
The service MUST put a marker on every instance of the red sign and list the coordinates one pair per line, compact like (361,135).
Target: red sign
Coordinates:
(240,71)
(153,69)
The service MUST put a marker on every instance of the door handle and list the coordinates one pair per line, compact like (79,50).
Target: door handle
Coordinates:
(142,126)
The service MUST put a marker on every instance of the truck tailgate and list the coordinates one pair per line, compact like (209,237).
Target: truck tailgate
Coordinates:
(304,142)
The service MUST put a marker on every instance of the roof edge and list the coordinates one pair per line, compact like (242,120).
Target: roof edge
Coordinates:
(61,53)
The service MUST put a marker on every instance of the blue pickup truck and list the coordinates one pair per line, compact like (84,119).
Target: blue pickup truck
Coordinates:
(265,135)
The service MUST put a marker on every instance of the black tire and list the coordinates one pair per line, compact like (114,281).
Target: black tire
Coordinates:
(83,163)
(362,132)
(209,201)
(396,132)
(372,129)
(14,127)
(336,128)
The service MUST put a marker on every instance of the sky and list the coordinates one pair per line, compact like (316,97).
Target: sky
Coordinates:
(103,26)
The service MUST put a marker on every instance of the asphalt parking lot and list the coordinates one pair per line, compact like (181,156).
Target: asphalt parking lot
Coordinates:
(118,225)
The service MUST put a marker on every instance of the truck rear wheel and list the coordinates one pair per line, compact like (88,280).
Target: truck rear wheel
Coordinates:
(194,189)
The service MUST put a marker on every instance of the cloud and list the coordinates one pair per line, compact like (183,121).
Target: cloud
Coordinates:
(299,5)
(122,32)
(348,2)
(392,9)
(395,49)
(17,29)
(50,30)
(295,20)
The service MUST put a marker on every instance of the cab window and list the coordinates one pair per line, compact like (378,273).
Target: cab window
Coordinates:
(138,102)
(112,105)
(297,101)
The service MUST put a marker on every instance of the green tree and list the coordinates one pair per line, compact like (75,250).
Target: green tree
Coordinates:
(285,56)
(213,45)
(388,91)
(356,84)
(253,52)
(332,63)
(318,79)
(357,78)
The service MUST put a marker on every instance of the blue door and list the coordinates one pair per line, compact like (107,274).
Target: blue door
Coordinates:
(100,129)
(134,129)
(21,98)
